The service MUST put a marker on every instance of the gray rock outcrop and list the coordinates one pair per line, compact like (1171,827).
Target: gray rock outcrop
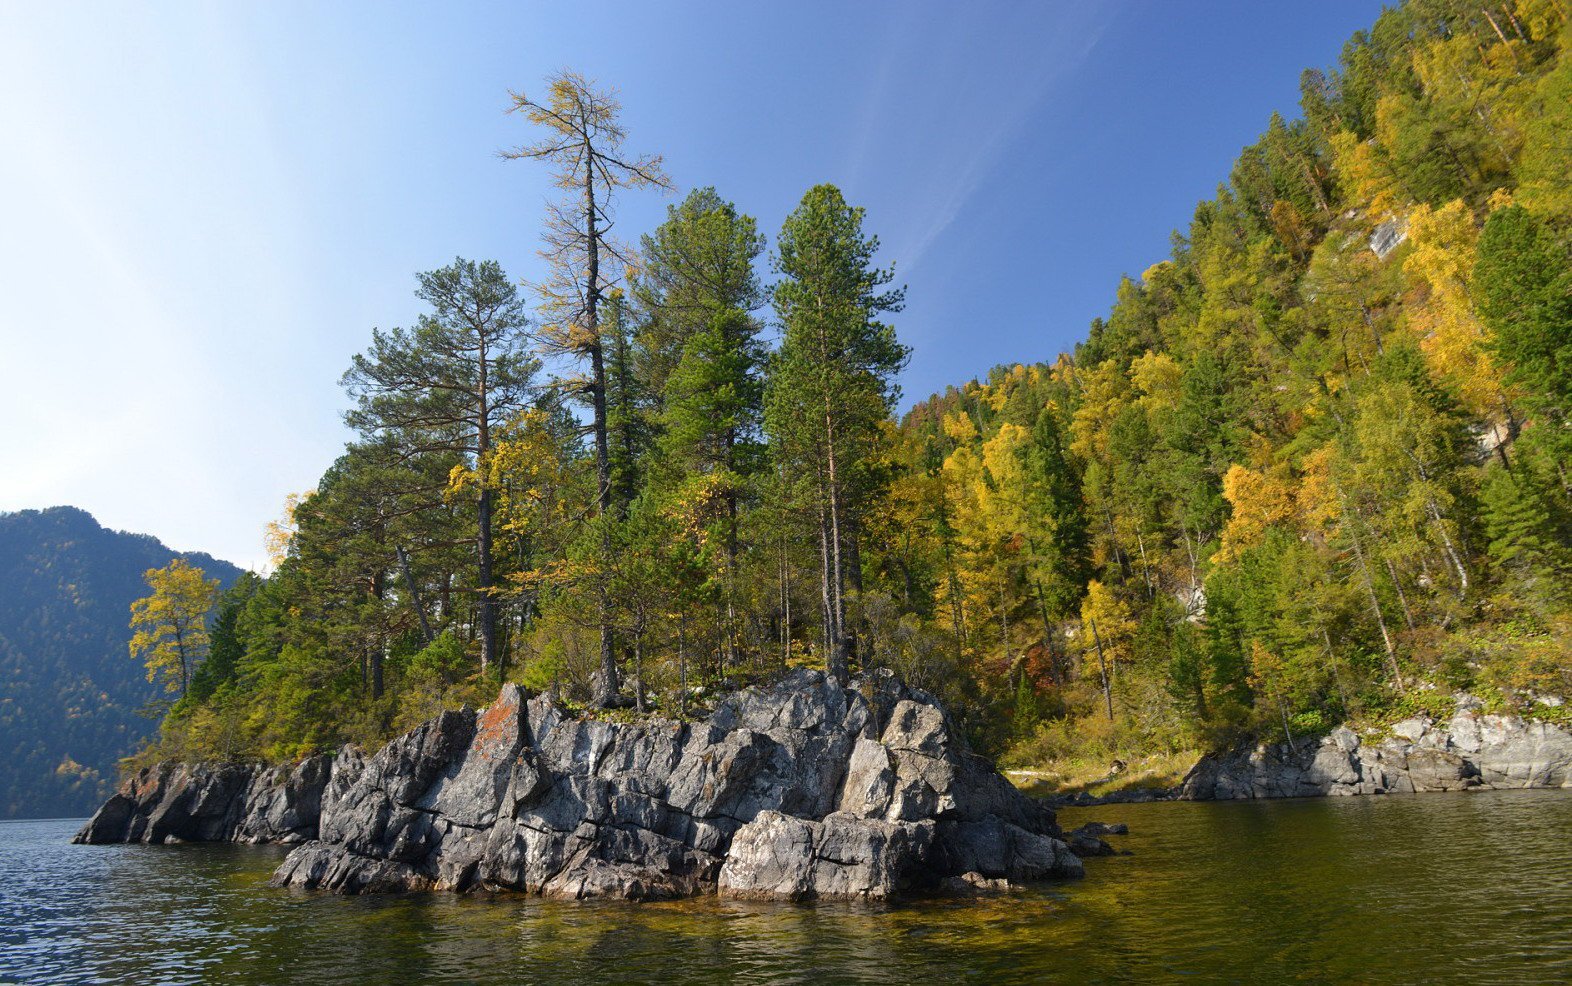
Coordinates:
(799,791)
(1471,750)
(237,802)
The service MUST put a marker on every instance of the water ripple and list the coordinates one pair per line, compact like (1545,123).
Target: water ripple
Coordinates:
(1436,888)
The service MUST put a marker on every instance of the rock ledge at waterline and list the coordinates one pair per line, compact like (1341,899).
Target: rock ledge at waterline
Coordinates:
(798,791)
(1472,750)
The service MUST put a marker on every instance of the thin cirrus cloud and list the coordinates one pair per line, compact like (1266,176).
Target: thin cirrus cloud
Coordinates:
(987,103)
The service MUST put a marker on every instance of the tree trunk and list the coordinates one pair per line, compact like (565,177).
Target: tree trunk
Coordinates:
(831,635)
(1102,666)
(607,684)
(638,668)
(1402,597)
(839,662)
(488,604)
(414,594)
(1451,550)
(785,604)
(732,551)
(1048,635)
(185,664)
(1004,616)
(375,653)
(1375,607)
(682,664)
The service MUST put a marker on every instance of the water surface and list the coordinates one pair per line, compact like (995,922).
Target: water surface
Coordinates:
(1465,888)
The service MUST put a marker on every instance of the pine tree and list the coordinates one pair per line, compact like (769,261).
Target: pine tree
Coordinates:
(447,386)
(1523,282)
(1520,528)
(698,262)
(831,384)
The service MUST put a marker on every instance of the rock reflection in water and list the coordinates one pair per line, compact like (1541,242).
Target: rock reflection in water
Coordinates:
(1433,888)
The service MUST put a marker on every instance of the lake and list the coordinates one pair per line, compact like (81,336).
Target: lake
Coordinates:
(1431,888)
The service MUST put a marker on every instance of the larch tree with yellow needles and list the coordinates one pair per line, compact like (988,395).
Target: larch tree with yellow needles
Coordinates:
(582,141)
(169,625)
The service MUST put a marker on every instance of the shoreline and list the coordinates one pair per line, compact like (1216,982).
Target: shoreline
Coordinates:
(1472,750)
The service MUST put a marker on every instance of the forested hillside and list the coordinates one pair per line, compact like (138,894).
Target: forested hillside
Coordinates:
(1311,467)
(69,707)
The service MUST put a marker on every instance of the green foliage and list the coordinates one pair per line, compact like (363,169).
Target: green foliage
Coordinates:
(443,660)
(1524,284)
(227,649)
(1287,481)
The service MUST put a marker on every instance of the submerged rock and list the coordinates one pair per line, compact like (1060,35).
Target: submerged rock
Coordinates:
(238,802)
(798,791)
(1086,841)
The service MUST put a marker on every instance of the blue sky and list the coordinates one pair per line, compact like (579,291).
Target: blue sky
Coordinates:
(205,208)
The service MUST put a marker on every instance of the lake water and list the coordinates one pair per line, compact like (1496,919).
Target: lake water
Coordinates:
(1466,888)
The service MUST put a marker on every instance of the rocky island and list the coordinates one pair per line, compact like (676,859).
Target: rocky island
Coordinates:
(801,790)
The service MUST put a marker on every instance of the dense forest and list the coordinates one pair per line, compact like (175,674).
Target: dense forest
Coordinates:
(1310,468)
(73,704)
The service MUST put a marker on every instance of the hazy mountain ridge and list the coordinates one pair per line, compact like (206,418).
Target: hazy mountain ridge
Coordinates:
(69,708)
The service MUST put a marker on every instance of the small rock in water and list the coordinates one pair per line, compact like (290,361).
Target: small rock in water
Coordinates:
(1086,840)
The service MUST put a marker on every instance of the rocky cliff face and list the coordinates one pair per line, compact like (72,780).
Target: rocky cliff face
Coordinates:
(1471,750)
(800,791)
(213,803)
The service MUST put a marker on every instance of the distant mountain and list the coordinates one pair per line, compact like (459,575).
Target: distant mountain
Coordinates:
(69,690)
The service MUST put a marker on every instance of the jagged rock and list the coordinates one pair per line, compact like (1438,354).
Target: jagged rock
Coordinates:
(802,790)
(1440,770)
(239,802)
(1088,846)
(1388,236)
(1470,750)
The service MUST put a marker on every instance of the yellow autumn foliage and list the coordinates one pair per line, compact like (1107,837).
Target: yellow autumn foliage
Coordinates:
(169,625)
(1450,334)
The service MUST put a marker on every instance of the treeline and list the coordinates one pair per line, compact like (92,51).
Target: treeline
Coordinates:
(1312,467)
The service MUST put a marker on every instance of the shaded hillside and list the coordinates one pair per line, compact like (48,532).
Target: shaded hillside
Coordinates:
(68,709)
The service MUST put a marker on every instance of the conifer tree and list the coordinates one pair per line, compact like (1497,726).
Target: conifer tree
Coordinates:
(583,143)
(832,383)
(698,262)
(446,387)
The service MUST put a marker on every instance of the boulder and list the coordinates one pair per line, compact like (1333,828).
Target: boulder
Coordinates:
(780,857)
(1440,770)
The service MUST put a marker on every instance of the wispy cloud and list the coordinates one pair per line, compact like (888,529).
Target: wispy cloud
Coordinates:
(1000,101)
